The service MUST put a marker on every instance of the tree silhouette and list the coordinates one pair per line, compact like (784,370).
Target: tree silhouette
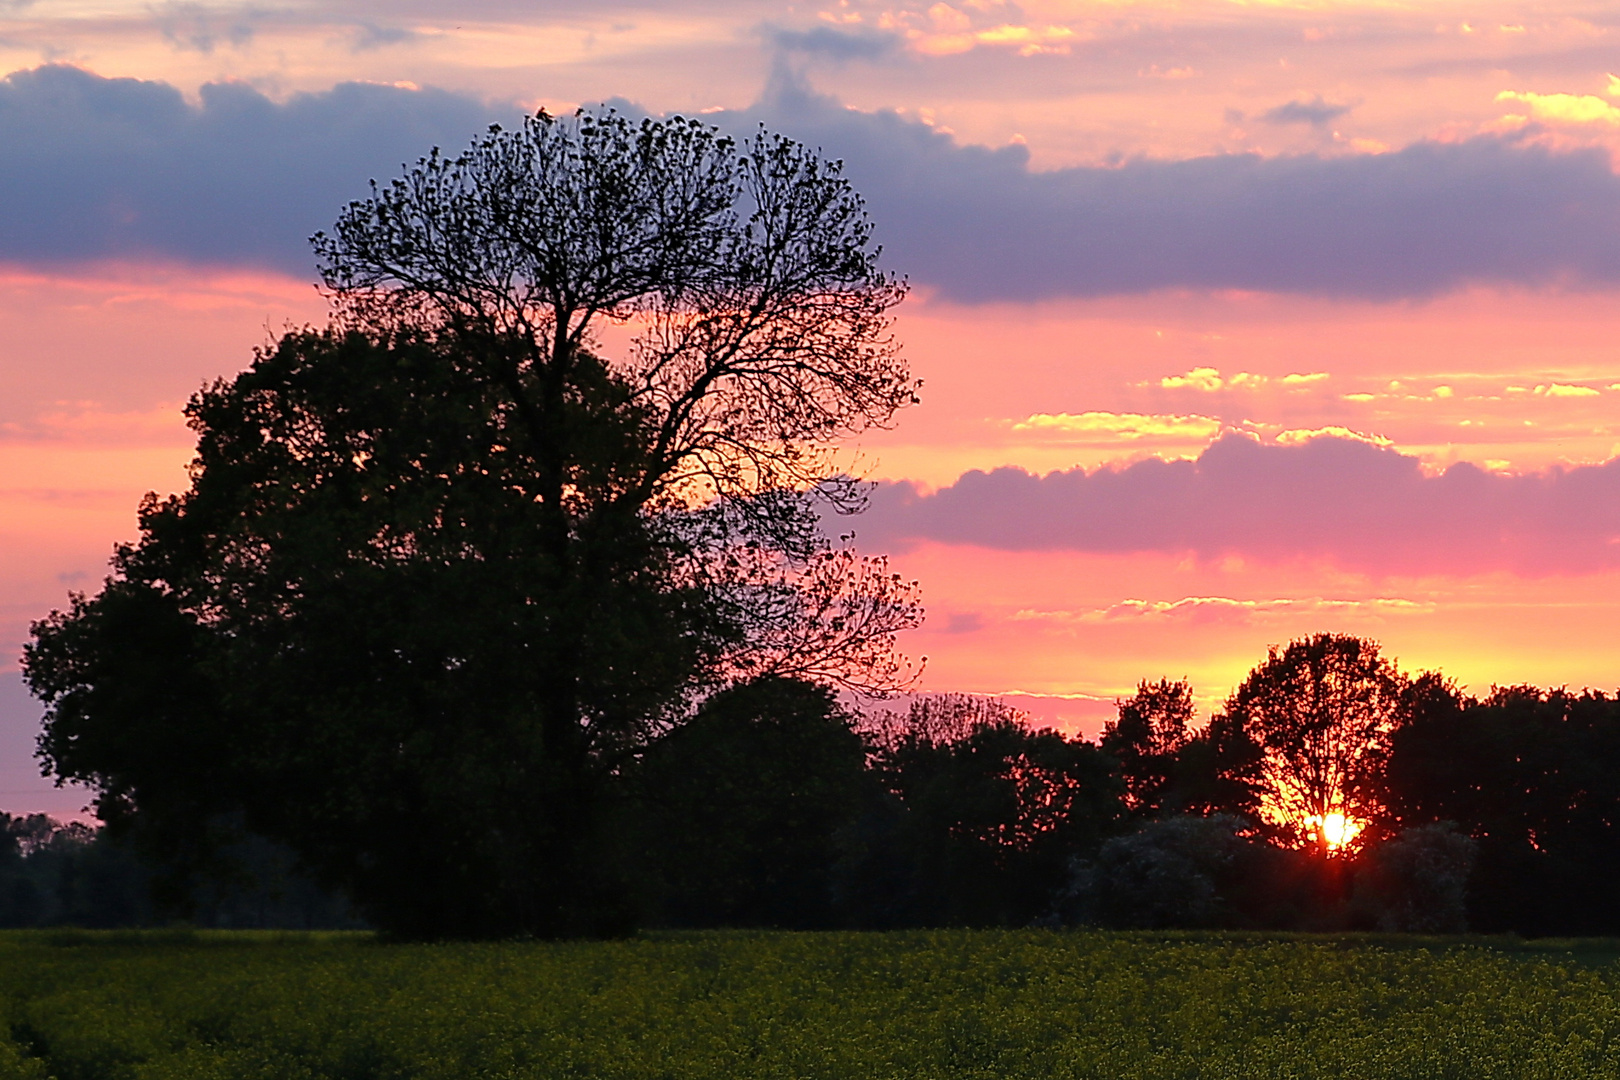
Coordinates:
(1147,737)
(992,810)
(937,720)
(743,809)
(444,567)
(1534,776)
(1321,711)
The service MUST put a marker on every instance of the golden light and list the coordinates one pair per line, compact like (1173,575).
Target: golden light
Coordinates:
(1334,830)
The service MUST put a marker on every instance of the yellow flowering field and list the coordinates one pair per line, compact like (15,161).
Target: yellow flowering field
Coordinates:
(925,1005)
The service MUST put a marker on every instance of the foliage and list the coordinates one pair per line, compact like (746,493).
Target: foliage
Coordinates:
(1220,770)
(988,822)
(743,809)
(941,1004)
(343,618)
(55,874)
(1146,738)
(1321,711)
(1418,881)
(446,566)
(1178,872)
(1534,776)
(937,720)
(760,336)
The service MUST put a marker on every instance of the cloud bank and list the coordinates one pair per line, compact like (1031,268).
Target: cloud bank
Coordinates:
(114,168)
(99,168)
(981,226)
(1363,506)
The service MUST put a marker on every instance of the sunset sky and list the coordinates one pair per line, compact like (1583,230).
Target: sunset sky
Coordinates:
(1237,321)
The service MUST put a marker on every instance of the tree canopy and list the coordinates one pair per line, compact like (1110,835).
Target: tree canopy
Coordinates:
(1321,712)
(744,808)
(554,471)
(1147,737)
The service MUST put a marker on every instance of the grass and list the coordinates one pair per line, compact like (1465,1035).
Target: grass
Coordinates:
(935,1004)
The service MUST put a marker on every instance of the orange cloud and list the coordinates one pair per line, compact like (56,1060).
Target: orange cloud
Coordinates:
(1295,436)
(1209,380)
(1124,427)
(950,31)
(1202,378)
(1565,108)
(1566,390)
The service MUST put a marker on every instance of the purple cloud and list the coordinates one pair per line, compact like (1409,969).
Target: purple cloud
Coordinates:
(1315,112)
(1365,507)
(96,168)
(982,226)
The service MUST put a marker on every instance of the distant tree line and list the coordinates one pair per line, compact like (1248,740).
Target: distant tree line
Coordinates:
(774,805)
(1444,812)
(55,873)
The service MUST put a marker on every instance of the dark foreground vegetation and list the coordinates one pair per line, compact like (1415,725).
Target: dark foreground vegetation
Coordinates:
(929,1005)
(54,874)
(775,807)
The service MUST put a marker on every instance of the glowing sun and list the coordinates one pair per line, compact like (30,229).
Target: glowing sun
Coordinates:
(1335,830)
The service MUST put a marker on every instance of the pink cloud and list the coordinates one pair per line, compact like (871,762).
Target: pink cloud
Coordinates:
(1360,505)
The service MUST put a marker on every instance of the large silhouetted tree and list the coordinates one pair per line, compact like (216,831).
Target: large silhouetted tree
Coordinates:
(445,566)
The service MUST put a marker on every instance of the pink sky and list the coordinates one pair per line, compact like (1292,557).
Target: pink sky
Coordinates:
(1416,256)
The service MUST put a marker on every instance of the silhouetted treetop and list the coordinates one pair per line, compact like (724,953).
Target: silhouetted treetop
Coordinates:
(1146,738)
(758,313)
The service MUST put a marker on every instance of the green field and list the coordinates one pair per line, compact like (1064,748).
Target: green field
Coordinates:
(88,1006)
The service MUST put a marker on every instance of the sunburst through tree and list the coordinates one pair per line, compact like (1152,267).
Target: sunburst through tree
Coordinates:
(1321,711)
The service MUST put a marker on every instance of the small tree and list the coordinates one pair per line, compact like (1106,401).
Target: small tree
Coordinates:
(1417,882)
(992,813)
(1321,712)
(1178,872)
(742,810)
(1147,737)
(446,566)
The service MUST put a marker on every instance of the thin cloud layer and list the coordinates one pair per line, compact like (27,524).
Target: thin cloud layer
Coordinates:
(1315,112)
(1363,506)
(115,168)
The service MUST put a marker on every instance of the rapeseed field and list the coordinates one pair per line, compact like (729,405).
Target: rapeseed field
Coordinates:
(926,1005)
